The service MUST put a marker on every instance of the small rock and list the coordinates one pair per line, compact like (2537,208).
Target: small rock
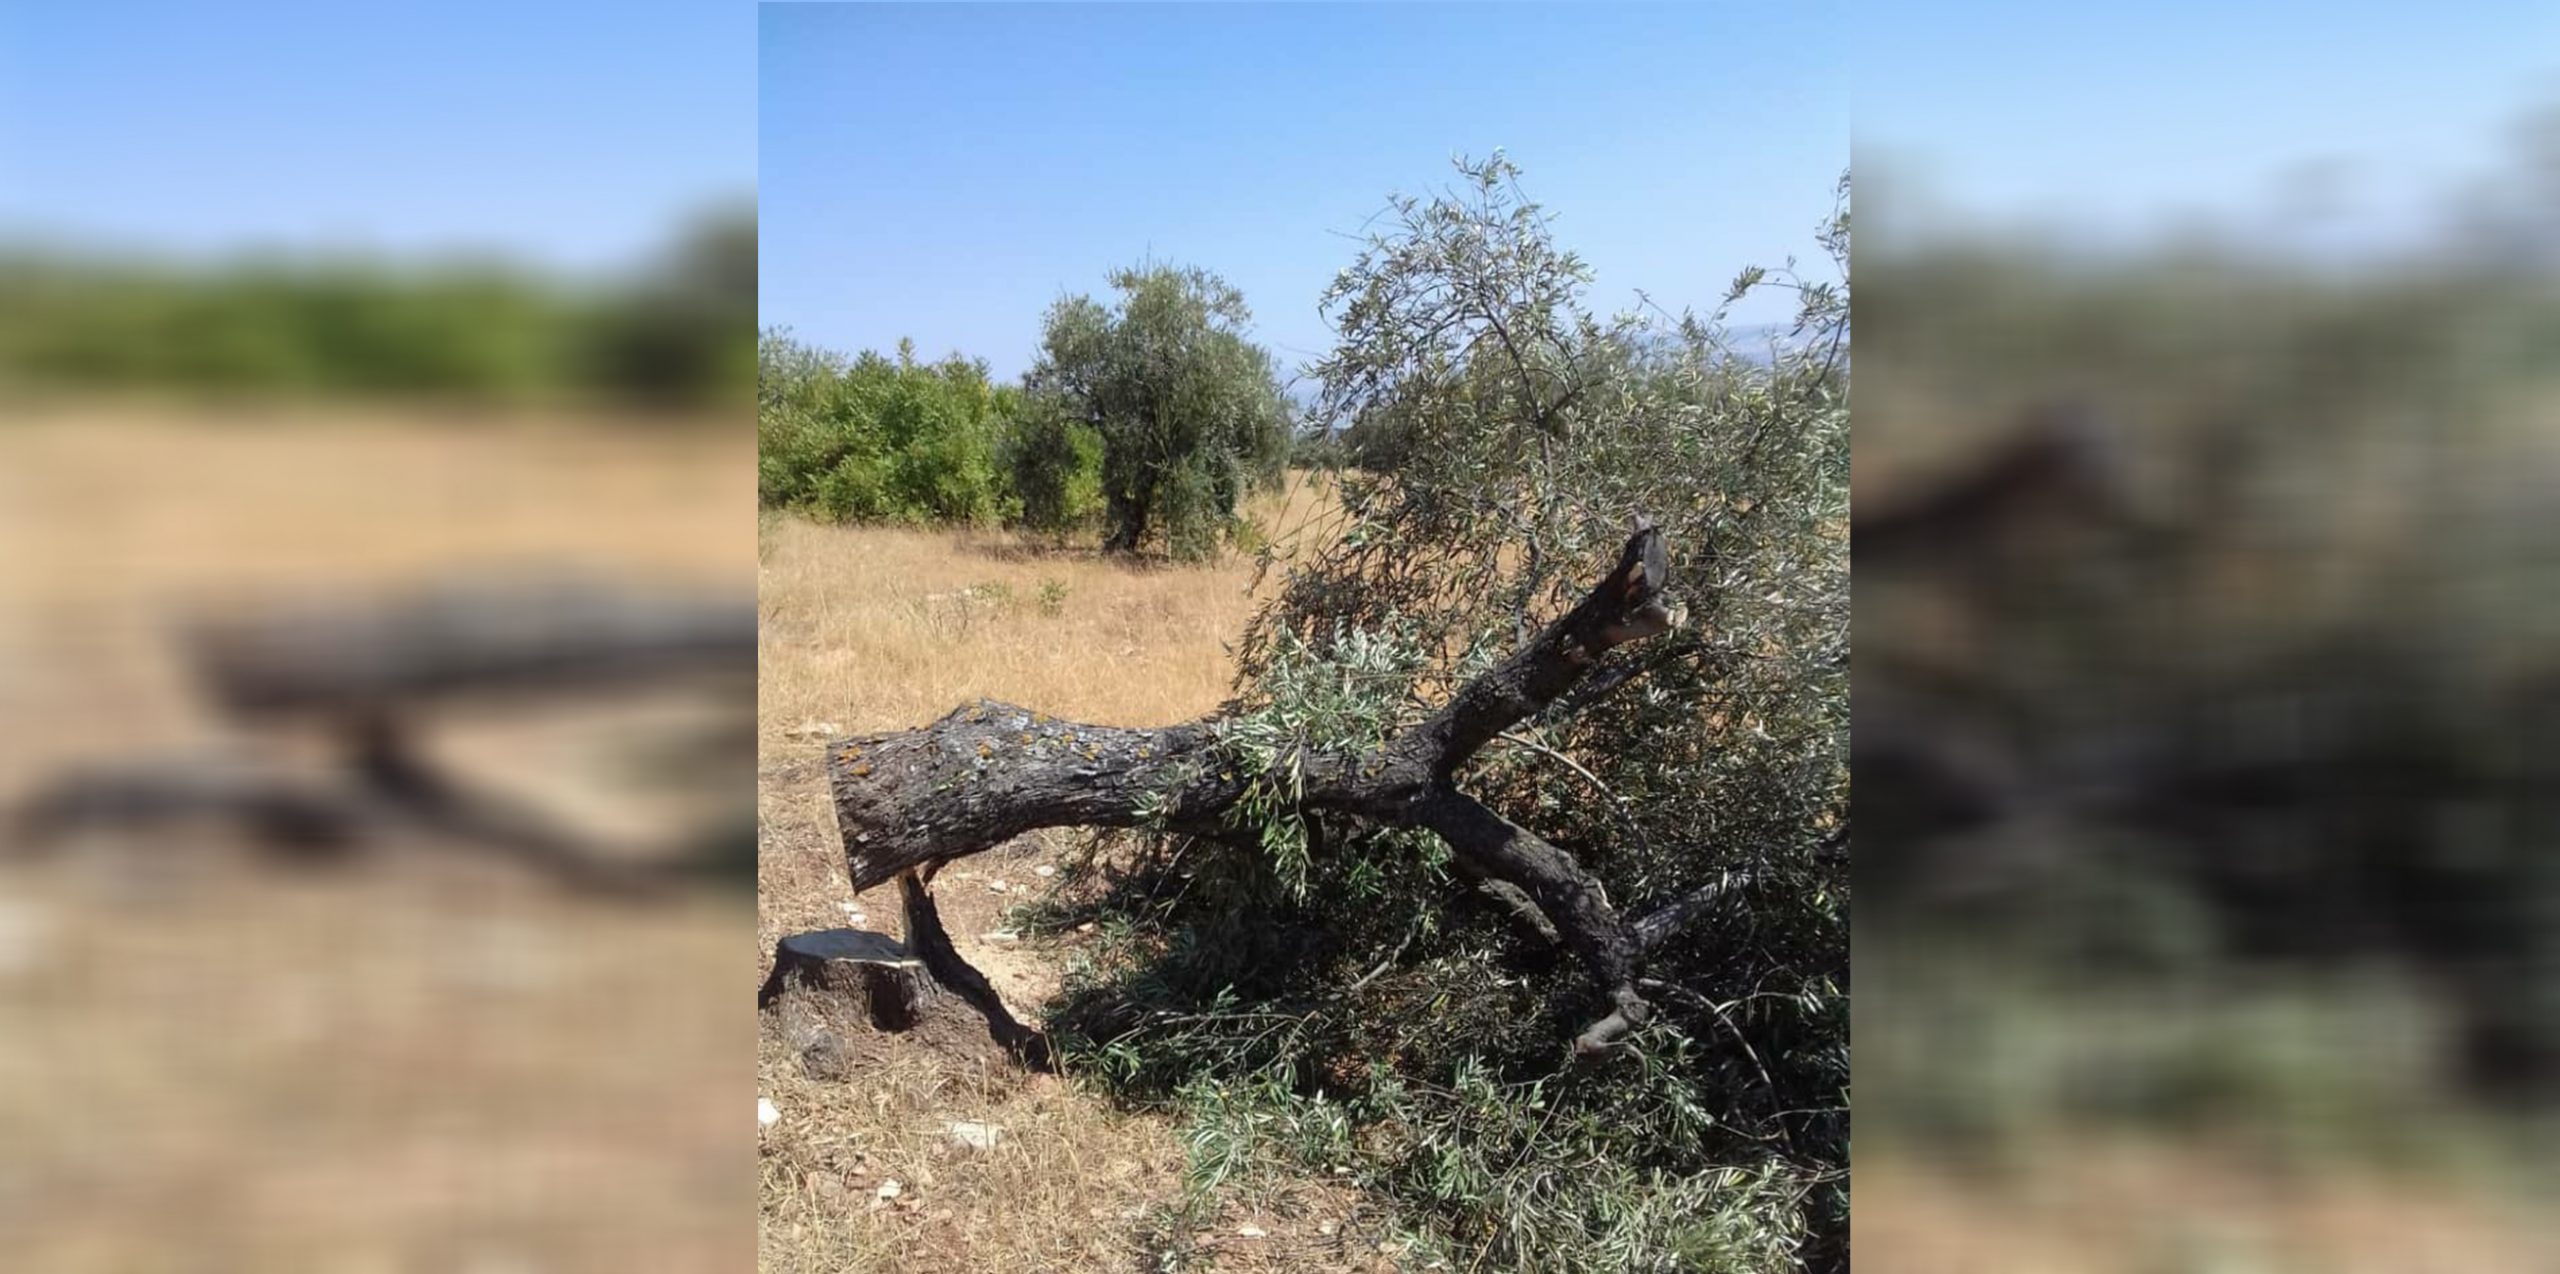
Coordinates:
(1044,869)
(890,1189)
(996,886)
(767,1114)
(1251,1231)
(1086,927)
(811,729)
(976,1136)
(825,1059)
(1328,1228)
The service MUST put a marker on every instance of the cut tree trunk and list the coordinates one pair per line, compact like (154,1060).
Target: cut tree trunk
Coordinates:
(869,969)
(990,771)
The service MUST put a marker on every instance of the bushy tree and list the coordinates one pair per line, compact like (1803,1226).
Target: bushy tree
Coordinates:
(1189,412)
(678,337)
(1055,465)
(879,438)
(1321,997)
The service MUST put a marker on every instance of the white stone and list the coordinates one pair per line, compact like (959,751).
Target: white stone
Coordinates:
(976,1136)
(767,1114)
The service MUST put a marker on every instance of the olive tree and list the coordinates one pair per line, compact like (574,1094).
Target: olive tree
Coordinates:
(1190,413)
(1524,843)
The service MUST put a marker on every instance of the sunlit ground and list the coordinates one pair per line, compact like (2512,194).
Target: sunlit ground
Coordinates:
(213,1059)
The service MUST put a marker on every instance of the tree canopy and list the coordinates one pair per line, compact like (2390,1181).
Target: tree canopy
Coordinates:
(1189,412)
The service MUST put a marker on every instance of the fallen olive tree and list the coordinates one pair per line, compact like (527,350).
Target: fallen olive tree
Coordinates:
(910,801)
(366,678)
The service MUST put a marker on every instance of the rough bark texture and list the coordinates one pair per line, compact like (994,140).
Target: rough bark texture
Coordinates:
(932,944)
(868,968)
(992,771)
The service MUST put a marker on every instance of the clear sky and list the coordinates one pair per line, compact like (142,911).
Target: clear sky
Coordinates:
(2124,117)
(945,173)
(573,132)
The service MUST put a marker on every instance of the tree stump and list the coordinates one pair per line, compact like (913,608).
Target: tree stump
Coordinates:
(870,969)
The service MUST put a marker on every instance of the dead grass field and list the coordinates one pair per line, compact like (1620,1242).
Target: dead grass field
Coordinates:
(209,1063)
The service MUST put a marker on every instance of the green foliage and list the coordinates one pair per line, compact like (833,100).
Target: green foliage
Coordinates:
(1337,996)
(673,335)
(2312,686)
(1189,413)
(1345,699)
(879,439)
(1055,466)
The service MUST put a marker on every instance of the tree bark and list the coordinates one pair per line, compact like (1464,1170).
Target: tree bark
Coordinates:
(990,771)
(869,968)
(1128,515)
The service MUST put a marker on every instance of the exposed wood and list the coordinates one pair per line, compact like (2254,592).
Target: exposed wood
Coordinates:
(990,771)
(870,969)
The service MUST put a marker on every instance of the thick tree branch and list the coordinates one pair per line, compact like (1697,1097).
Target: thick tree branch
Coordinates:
(1506,851)
(1626,606)
(989,772)
(930,942)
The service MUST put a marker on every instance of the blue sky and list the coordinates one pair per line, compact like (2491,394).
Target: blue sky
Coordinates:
(2122,118)
(946,173)
(577,133)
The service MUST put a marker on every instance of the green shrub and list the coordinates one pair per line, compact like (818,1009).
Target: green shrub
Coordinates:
(1055,466)
(671,335)
(877,439)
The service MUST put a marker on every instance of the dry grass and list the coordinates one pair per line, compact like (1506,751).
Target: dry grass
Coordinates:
(208,1063)
(874,628)
(2101,1205)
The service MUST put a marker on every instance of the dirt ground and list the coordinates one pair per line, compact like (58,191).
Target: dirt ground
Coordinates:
(2116,1205)
(212,1060)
